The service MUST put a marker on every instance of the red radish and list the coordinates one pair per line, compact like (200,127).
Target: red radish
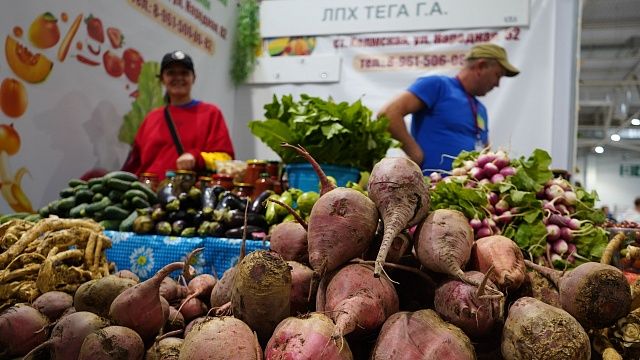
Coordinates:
(484,159)
(554,191)
(476,173)
(570,197)
(501,160)
(505,256)
(435,177)
(597,295)
(356,301)
(508,171)
(112,342)
(261,292)
(220,338)
(475,223)
(22,328)
(289,239)
(301,282)
(397,187)
(493,198)
(458,171)
(306,337)
(53,304)
(489,170)
(468,164)
(342,223)
(497,178)
(139,307)
(421,335)
(560,246)
(501,206)
(165,349)
(553,232)
(484,232)
(69,333)
(535,330)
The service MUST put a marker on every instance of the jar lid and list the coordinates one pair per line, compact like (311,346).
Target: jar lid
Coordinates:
(256,162)
(185,172)
(222,176)
(204,178)
(149,175)
(274,162)
(241,184)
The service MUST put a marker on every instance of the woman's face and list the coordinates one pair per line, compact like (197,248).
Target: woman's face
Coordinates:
(178,81)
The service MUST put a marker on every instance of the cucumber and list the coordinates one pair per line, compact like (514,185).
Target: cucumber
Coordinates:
(18,215)
(98,206)
(117,184)
(66,203)
(76,211)
(97,197)
(151,195)
(113,212)
(127,223)
(98,188)
(80,188)
(76,182)
(44,211)
(110,224)
(131,193)
(139,203)
(115,195)
(33,218)
(122,175)
(84,196)
(95,181)
(67,192)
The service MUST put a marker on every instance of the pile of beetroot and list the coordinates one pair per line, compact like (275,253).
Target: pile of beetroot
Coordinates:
(351,283)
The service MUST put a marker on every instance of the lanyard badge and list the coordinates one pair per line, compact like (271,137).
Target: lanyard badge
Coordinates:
(477,118)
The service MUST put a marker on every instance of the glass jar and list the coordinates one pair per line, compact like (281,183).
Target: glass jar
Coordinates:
(208,197)
(273,168)
(262,184)
(224,180)
(254,169)
(184,180)
(166,189)
(243,190)
(150,180)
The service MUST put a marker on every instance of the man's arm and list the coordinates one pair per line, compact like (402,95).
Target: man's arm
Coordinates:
(396,110)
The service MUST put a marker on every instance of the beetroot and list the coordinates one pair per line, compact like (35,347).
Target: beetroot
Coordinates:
(175,321)
(22,328)
(97,295)
(165,349)
(306,337)
(261,292)
(126,274)
(342,223)
(356,301)
(421,335)
(112,342)
(504,255)
(223,338)
(535,330)
(397,187)
(139,307)
(69,333)
(301,283)
(597,295)
(171,290)
(289,239)
(464,306)
(192,308)
(221,293)
(53,304)
(200,286)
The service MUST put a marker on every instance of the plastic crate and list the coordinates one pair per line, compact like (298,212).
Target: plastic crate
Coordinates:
(302,176)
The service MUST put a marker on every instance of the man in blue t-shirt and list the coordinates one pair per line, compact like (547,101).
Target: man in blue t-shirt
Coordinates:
(446,115)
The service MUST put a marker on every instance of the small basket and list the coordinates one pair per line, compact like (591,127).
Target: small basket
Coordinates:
(302,176)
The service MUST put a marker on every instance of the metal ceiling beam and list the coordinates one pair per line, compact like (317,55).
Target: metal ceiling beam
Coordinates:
(609,83)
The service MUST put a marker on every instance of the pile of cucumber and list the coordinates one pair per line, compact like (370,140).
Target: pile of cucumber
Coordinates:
(112,200)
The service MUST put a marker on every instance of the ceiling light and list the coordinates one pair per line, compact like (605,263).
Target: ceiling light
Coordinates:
(635,122)
(615,137)
(599,149)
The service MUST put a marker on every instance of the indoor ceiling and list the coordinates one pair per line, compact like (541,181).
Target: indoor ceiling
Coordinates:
(609,94)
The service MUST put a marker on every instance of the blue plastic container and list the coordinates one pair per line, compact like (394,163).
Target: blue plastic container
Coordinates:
(302,176)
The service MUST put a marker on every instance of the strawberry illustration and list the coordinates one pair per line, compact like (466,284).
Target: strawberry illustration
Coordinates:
(94,28)
(115,37)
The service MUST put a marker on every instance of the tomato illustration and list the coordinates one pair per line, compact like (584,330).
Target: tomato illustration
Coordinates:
(132,64)
(13,98)
(44,32)
(9,139)
(94,28)
(115,37)
(113,64)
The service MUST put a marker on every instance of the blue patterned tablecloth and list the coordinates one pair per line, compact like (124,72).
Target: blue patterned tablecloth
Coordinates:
(144,255)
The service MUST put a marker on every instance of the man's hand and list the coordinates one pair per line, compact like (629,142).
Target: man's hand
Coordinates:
(186,161)
(396,110)
(414,152)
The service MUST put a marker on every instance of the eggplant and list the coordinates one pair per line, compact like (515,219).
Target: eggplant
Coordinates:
(203,229)
(198,218)
(236,233)
(217,190)
(209,198)
(176,215)
(158,214)
(165,195)
(188,232)
(177,226)
(173,205)
(215,229)
(259,205)
(194,194)
(231,201)
(143,224)
(235,218)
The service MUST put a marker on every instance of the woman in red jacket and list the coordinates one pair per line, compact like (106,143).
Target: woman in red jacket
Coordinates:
(202,134)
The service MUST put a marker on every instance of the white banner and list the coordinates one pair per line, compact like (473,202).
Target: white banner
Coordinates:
(377,67)
(297,18)
(70,75)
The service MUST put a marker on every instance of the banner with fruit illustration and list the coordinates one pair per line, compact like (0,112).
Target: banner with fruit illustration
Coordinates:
(532,110)
(77,78)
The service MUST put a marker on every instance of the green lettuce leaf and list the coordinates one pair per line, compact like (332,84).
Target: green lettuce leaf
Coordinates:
(149,97)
